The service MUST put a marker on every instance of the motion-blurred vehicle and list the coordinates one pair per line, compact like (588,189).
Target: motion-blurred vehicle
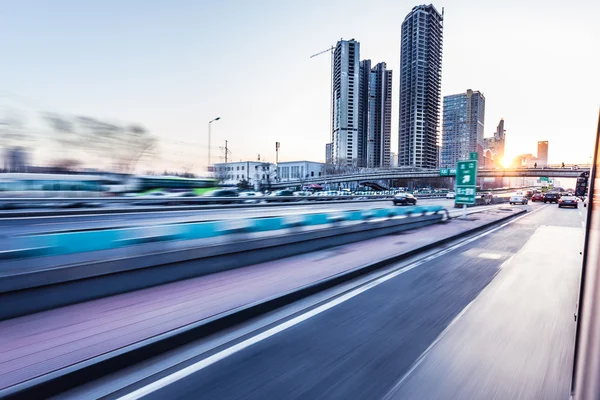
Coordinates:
(487,197)
(451,195)
(518,198)
(551,197)
(404,199)
(585,201)
(250,196)
(568,201)
(537,197)
(529,193)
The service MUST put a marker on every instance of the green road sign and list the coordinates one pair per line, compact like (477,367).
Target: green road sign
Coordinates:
(452,172)
(444,172)
(466,179)
(473,155)
(543,179)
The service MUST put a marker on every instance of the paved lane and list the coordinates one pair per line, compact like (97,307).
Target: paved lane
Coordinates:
(20,226)
(521,327)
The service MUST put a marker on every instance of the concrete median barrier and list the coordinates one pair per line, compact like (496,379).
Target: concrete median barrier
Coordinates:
(29,291)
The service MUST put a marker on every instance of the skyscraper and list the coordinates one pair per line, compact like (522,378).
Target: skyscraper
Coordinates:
(496,143)
(375,115)
(462,127)
(420,81)
(542,153)
(345,102)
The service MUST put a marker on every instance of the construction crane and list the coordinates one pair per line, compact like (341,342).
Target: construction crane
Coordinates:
(330,50)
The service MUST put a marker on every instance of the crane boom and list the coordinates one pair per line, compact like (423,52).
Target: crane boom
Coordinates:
(322,52)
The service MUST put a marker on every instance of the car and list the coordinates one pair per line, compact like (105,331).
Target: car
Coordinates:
(451,195)
(551,197)
(568,201)
(585,201)
(250,195)
(222,193)
(404,199)
(518,198)
(537,197)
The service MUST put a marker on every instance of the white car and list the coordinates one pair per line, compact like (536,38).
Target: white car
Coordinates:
(250,195)
(451,195)
(518,198)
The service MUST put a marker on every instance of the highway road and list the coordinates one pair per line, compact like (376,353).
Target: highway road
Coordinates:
(488,318)
(31,225)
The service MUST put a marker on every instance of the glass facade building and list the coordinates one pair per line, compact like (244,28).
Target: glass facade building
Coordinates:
(420,85)
(462,127)
(345,102)
(374,115)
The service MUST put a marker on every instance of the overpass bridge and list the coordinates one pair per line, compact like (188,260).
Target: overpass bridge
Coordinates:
(394,174)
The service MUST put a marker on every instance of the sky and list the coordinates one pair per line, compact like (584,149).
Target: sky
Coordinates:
(172,66)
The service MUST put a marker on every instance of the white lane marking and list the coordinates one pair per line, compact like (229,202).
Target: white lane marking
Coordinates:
(427,350)
(202,364)
(582,224)
(490,256)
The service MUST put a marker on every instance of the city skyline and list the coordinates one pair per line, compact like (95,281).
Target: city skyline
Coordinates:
(164,70)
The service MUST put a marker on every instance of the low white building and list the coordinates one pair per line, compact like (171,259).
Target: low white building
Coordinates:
(259,174)
(298,170)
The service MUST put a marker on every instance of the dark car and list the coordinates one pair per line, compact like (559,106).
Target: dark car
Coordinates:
(537,197)
(404,199)
(222,193)
(568,201)
(551,197)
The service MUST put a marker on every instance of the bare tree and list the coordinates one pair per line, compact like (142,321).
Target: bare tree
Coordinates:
(123,145)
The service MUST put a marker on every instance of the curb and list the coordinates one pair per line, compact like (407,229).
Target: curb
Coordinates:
(62,380)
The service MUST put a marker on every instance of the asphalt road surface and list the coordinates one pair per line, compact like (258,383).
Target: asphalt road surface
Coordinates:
(31,225)
(488,319)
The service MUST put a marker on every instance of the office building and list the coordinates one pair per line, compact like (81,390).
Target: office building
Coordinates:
(345,102)
(374,115)
(328,153)
(299,170)
(496,143)
(542,153)
(420,81)
(462,127)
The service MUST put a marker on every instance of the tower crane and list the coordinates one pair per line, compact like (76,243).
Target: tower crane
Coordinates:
(331,50)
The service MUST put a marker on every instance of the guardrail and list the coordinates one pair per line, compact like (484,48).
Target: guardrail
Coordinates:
(111,238)
(10,202)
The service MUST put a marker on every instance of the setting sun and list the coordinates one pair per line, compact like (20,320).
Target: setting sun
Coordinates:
(506,161)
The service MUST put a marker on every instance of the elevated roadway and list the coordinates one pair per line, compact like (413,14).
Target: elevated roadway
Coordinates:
(394,174)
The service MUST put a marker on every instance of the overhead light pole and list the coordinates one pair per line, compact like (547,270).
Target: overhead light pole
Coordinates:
(209,123)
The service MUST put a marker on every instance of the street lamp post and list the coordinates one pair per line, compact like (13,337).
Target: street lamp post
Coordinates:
(209,123)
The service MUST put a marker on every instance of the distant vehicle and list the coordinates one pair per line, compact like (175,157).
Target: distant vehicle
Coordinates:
(518,198)
(282,193)
(55,185)
(568,201)
(302,193)
(404,199)
(585,201)
(143,184)
(551,197)
(222,193)
(529,193)
(250,194)
(451,195)
(537,197)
